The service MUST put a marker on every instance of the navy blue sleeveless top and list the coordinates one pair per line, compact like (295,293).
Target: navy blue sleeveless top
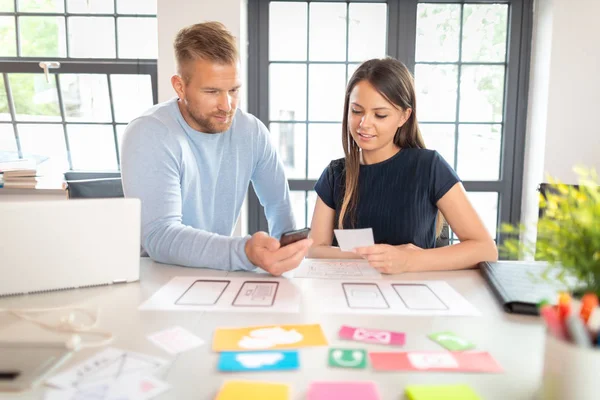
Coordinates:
(396,197)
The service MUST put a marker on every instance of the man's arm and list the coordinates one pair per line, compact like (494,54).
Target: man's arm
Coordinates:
(271,185)
(150,167)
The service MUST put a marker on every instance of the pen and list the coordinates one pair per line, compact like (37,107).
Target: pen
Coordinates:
(577,332)
(589,302)
(564,305)
(553,322)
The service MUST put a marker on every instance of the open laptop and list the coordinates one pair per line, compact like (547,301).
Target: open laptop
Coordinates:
(51,245)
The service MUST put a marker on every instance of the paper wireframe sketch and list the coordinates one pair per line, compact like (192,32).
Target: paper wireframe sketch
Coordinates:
(392,297)
(336,269)
(175,340)
(265,294)
(106,367)
(132,387)
(349,239)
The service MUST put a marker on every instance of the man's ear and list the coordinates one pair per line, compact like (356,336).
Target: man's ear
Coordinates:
(178,86)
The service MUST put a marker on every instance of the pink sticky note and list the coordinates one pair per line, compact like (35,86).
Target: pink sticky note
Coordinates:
(342,391)
(438,361)
(372,336)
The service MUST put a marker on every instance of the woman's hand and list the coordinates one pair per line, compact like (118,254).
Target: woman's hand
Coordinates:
(389,259)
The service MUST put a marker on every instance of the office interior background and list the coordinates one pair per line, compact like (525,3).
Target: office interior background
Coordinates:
(507,91)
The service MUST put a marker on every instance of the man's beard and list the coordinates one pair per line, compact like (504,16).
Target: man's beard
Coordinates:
(208,126)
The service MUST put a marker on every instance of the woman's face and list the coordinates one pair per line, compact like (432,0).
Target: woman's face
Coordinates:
(373,120)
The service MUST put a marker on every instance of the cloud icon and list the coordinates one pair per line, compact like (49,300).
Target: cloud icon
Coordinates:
(270,337)
(257,360)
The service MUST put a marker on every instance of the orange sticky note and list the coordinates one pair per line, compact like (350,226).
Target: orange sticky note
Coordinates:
(268,337)
(250,390)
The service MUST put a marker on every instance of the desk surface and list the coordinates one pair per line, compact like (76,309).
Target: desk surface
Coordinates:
(516,342)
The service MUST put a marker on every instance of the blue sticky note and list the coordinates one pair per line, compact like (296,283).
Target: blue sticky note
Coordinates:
(233,361)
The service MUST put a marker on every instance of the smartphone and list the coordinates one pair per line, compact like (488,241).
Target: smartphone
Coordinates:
(293,236)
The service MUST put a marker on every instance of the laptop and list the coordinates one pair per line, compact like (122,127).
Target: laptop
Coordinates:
(519,286)
(65,244)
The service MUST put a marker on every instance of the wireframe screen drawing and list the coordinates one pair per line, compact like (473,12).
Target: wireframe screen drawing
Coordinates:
(419,296)
(256,294)
(364,295)
(203,293)
(335,269)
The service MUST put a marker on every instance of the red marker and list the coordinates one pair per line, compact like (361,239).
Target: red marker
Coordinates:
(564,306)
(553,322)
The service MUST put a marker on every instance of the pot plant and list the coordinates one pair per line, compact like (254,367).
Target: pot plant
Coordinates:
(568,233)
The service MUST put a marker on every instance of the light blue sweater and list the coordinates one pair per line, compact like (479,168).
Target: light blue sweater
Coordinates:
(192,186)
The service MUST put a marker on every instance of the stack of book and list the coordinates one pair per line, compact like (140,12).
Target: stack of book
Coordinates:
(21,173)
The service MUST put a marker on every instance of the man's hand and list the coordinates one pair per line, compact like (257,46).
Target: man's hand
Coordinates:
(265,252)
(389,259)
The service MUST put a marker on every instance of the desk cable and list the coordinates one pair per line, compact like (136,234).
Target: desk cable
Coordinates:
(67,324)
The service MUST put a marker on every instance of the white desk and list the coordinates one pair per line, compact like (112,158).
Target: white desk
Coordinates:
(516,342)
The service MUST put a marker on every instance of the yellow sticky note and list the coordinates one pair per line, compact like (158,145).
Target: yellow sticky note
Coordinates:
(268,337)
(441,392)
(250,390)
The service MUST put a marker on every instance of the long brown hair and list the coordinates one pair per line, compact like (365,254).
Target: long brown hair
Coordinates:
(395,83)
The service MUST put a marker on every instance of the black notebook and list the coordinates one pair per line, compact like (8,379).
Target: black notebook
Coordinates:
(518,285)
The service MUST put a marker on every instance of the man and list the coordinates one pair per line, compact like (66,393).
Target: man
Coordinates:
(190,161)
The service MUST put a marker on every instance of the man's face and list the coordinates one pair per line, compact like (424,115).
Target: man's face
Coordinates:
(208,95)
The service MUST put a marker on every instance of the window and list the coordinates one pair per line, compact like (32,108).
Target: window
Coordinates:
(73,74)
(469,60)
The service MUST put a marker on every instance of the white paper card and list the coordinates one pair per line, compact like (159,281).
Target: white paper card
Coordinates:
(349,239)
(175,340)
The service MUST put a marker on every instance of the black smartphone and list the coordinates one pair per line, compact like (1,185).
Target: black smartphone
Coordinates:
(293,236)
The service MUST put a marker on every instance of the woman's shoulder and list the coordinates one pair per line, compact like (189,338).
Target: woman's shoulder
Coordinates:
(337,166)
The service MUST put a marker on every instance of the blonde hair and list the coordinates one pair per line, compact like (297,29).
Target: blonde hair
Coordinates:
(210,41)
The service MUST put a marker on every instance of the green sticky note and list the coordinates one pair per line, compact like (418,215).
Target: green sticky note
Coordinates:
(348,358)
(441,392)
(451,342)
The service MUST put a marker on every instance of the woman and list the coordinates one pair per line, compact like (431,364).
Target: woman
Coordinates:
(388,181)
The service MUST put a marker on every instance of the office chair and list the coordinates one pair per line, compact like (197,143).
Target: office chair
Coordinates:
(444,238)
(93,185)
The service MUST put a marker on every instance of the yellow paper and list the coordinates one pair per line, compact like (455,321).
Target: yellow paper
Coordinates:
(249,390)
(268,337)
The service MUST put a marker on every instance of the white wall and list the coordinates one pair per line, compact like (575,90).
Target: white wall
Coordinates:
(564,96)
(173,15)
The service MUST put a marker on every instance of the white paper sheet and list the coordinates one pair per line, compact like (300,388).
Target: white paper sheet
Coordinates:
(135,387)
(349,239)
(235,294)
(335,269)
(426,298)
(175,340)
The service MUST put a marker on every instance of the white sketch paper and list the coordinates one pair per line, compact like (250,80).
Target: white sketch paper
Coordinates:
(336,269)
(349,239)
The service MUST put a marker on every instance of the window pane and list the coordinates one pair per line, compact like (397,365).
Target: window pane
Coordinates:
(92,37)
(287,31)
(326,92)
(479,152)
(324,145)
(136,6)
(440,137)
(92,147)
(43,36)
(132,95)
(298,198)
(35,99)
(484,32)
(7,6)
(85,97)
(290,142)
(367,31)
(287,92)
(138,37)
(327,32)
(481,93)
(8,39)
(46,140)
(311,200)
(436,92)
(351,69)
(4,110)
(91,6)
(486,205)
(7,138)
(41,5)
(120,134)
(438,27)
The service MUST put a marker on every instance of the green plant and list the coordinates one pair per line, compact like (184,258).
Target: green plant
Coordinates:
(568,233)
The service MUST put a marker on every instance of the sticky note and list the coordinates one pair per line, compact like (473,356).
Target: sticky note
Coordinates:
(372,336)
(347,358)
(270,337)
(438,361)
(175,340)
(258,361)
(441,392)
(342,391)
(251,390)
(451,342)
